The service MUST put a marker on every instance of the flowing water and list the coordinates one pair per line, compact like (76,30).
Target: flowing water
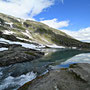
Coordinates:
(14,76)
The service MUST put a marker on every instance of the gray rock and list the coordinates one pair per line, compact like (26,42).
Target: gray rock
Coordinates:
(17,54)
(76,77)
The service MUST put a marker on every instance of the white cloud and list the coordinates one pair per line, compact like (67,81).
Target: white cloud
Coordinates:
(55,23)
(82,34)
(21,8)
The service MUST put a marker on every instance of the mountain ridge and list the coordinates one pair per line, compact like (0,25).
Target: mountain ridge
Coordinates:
(37,32)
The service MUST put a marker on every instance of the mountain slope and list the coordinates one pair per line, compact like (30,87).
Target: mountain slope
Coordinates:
(36,32)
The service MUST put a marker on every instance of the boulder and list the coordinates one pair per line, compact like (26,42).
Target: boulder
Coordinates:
(76,77)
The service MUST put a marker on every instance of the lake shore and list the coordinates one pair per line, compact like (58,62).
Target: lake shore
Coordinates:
(76,77)
(17,54)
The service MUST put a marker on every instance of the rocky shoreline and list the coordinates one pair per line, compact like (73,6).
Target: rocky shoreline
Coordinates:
(76,77)
(16,54)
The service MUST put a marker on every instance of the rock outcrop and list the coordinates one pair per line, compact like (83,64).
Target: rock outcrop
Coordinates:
(16,54)
(76,77)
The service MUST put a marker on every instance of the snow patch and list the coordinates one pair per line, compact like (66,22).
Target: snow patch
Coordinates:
(38,46)
(11,24)
(3,42)
(18,19)
(8,32)
(46,54)
(24,39)
(26,45)
(27,33)
(74,47)
(55,46)
(3,49)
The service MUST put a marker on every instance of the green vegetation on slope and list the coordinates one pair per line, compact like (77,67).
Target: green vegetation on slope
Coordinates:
(39,32)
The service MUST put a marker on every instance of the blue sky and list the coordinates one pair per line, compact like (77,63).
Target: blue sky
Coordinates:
(76,11)
(70,16)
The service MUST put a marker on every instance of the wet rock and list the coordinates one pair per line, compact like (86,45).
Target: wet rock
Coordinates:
(76,77)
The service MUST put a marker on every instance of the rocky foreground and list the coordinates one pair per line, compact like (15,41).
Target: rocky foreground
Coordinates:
(16,54)
(76,77)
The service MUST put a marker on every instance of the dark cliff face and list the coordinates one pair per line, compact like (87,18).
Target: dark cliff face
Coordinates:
(37,32)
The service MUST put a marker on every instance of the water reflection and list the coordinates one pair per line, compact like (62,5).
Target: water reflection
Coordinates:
(55,58)
(40,65)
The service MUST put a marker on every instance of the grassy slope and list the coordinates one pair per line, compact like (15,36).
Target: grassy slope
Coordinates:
(39,32)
